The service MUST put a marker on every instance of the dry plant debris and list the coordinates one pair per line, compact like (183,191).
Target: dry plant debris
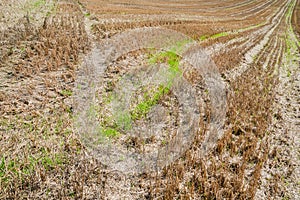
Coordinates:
(255,46)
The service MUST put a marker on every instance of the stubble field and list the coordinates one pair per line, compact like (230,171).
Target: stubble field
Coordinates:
(149,99)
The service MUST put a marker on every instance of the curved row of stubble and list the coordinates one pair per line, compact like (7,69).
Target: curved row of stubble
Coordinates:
(89,79)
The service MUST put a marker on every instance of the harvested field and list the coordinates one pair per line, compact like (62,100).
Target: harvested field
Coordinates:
(151,99)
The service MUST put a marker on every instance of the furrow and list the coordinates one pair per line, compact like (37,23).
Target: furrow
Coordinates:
(255,51)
